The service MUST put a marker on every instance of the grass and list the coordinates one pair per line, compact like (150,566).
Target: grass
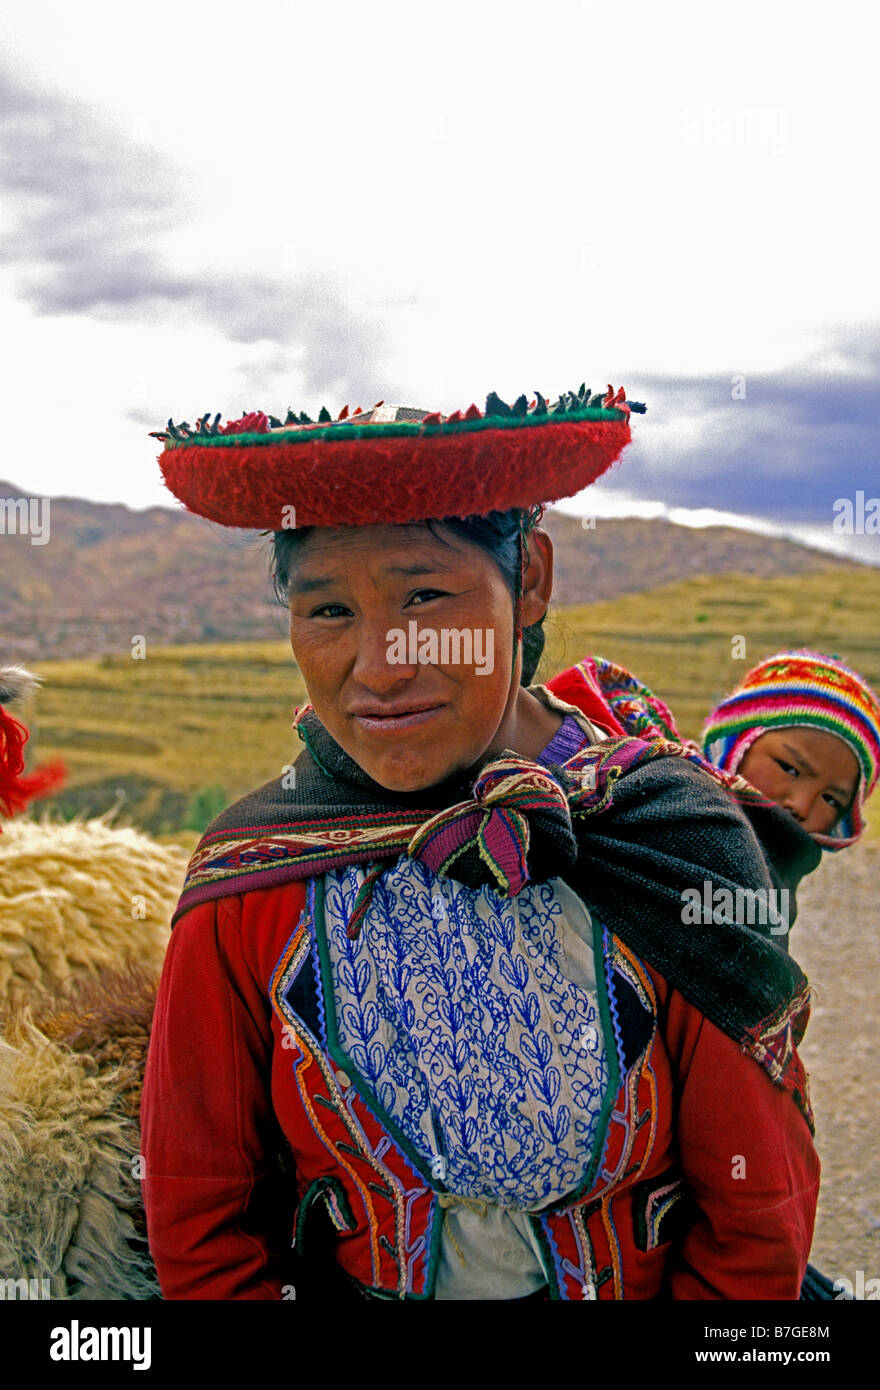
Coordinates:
(167,737)
(679,638)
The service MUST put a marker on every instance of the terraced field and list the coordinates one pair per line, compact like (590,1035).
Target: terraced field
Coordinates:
(177,735)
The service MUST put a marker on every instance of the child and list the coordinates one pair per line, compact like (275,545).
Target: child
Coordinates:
(802,728)
(805,730)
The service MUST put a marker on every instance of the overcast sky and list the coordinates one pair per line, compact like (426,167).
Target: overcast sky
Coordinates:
(250,206)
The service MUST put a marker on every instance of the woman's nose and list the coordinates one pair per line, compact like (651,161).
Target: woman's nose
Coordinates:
(378,665)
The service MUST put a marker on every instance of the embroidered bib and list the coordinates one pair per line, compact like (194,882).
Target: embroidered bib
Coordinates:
(475,1023)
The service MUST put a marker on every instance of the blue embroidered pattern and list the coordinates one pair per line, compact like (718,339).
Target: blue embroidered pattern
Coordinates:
(455,1007)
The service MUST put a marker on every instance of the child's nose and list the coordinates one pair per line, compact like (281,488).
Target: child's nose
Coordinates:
(799,802)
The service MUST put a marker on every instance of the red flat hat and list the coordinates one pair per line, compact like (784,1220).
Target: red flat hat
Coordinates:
(393,464)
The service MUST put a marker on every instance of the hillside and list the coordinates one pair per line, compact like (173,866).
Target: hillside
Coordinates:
(173,738)
(678,638)
(629,555)
(109,574)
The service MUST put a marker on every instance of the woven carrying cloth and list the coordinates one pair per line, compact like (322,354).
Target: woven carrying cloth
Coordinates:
(636,709)
(629,825)
(609,692)
(393,464)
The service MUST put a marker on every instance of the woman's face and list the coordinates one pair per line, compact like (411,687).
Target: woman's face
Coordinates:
(366,602)
(810,773)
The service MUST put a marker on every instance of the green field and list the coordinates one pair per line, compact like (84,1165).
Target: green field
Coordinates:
(173,738)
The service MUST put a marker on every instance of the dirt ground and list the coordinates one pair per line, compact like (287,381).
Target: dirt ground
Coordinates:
(836,941)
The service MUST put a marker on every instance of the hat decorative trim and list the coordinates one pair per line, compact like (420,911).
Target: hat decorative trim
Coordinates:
(259,428)
(393,464)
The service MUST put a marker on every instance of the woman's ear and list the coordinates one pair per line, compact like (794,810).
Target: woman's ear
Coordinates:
(538,577)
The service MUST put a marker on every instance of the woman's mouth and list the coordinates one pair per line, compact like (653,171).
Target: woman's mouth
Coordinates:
(395,721)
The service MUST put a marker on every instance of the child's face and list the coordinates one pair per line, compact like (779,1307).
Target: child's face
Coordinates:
(811,774)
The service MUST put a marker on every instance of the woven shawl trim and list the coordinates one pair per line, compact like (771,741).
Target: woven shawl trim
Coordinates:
(254,855)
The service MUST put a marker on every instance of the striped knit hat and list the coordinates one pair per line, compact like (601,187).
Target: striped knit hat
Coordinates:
(802,688)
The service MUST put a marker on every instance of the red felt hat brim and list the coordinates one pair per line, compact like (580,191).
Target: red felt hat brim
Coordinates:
(391,479)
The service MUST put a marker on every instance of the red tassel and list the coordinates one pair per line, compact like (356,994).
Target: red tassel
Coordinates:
(16,787)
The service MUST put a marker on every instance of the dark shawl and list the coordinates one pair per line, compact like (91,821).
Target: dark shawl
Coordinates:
(653,823)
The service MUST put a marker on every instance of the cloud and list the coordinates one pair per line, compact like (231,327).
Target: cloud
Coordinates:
(787,448)
(92,210)
(85,200)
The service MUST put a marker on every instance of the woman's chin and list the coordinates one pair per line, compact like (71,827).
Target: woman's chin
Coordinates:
(407,770)
(404,777)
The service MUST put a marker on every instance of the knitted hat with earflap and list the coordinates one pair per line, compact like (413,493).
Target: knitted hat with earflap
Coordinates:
(802,688)
(17,787)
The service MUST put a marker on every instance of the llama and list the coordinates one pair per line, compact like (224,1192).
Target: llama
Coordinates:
(84,923)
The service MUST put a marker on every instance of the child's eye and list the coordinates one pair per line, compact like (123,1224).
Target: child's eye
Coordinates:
(833,801)
(787,767)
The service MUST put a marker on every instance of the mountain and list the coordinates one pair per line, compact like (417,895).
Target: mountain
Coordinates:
(108,574)
(629,555)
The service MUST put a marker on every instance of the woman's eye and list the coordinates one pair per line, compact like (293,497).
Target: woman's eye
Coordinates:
(330,610)
(425,595)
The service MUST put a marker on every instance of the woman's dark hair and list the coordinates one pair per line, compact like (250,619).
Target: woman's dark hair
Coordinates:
(497,534)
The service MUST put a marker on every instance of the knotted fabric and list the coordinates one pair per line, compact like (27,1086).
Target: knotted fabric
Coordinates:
(516,806)
(512,800)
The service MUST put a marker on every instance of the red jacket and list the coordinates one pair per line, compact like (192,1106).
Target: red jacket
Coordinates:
(704,1183)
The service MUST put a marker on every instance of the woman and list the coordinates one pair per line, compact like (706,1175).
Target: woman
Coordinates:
(438,981)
